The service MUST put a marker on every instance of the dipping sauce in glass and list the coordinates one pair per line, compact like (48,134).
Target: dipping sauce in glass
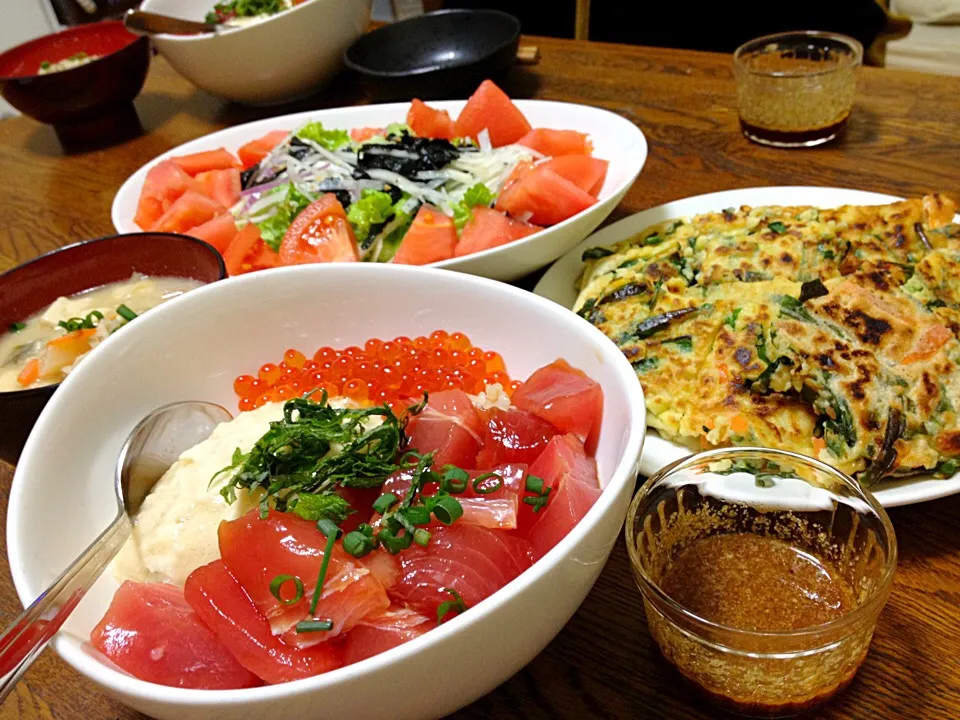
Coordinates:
(756,583)
(796,89)
(763,573)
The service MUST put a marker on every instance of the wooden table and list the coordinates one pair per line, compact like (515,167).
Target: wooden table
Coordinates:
(903,139)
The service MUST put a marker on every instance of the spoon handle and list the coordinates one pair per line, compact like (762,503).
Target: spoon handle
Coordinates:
(22,642)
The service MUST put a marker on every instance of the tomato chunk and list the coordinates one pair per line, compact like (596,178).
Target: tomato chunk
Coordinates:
(427,122)
(190,209)
(382,632)
(565,397)
(220,601)
(489,229)
(256,551)
(223,186)
(197,163)
(543,197)
(164,184)
(320,233)
(557,142)
(150,631)
(256,150)
(219,232)
(448,426)
(587,173)
(365,133)
(572,476)
(248,252)
(490,108)
(432,237)
(514,436)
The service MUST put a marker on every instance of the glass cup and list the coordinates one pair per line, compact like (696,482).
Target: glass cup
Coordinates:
(796,89)
(786,499)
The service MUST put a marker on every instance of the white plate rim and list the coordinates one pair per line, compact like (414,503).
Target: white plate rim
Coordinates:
(557,285)
(635,151)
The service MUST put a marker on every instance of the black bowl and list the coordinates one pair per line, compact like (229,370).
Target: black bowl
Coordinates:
(444,54)
(33,286)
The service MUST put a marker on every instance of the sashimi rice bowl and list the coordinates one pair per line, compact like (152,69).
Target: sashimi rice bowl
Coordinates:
(405,485)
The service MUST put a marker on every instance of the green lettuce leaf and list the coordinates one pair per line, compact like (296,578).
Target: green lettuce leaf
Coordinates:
(273,228)
(328,139)
(373,207)
(477,195)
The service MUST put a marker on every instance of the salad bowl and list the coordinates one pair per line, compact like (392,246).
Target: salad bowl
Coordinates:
(614,138)
(193,348)
(286,56)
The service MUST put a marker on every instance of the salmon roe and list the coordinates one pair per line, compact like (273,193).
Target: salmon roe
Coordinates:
(394,372)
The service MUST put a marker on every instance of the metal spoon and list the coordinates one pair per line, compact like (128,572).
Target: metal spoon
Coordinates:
(140,22)
(153,446)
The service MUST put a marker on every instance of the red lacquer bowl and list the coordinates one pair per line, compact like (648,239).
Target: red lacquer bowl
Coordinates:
(29,288)
(94,99)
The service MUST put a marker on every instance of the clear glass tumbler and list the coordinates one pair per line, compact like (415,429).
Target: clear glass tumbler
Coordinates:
(781,496)
(796,89)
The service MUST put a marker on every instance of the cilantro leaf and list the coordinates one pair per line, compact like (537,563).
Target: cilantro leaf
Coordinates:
(327,139)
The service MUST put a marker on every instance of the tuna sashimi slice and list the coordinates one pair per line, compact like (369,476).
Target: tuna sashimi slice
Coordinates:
(152,633)
(223,606)
(378,633)
(572,476)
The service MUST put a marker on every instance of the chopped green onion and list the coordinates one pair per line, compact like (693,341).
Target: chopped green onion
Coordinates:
(279,581)
(416,515)
(421,537)
(394,543)
(305,626)
(17,326)
(384,503)
(454,480)
(126,313)
(357,544)
(482,489)
(456,605)
(93,318)
(538,502)
(447,509)
(329,528)
(327,551)
(534,484)
(71,325)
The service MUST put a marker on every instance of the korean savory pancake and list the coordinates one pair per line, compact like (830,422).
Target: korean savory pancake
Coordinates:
(827,332)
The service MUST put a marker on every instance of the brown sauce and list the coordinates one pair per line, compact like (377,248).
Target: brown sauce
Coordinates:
(793,137)
(754,583)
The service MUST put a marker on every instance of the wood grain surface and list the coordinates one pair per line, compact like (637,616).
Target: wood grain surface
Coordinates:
(903,139)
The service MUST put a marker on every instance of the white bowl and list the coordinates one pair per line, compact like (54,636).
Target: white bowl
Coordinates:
(615,139)
(193,347)
(288,56)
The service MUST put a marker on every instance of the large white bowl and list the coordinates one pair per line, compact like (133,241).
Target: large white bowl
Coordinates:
(193,347)
(615,139)
(290,55)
